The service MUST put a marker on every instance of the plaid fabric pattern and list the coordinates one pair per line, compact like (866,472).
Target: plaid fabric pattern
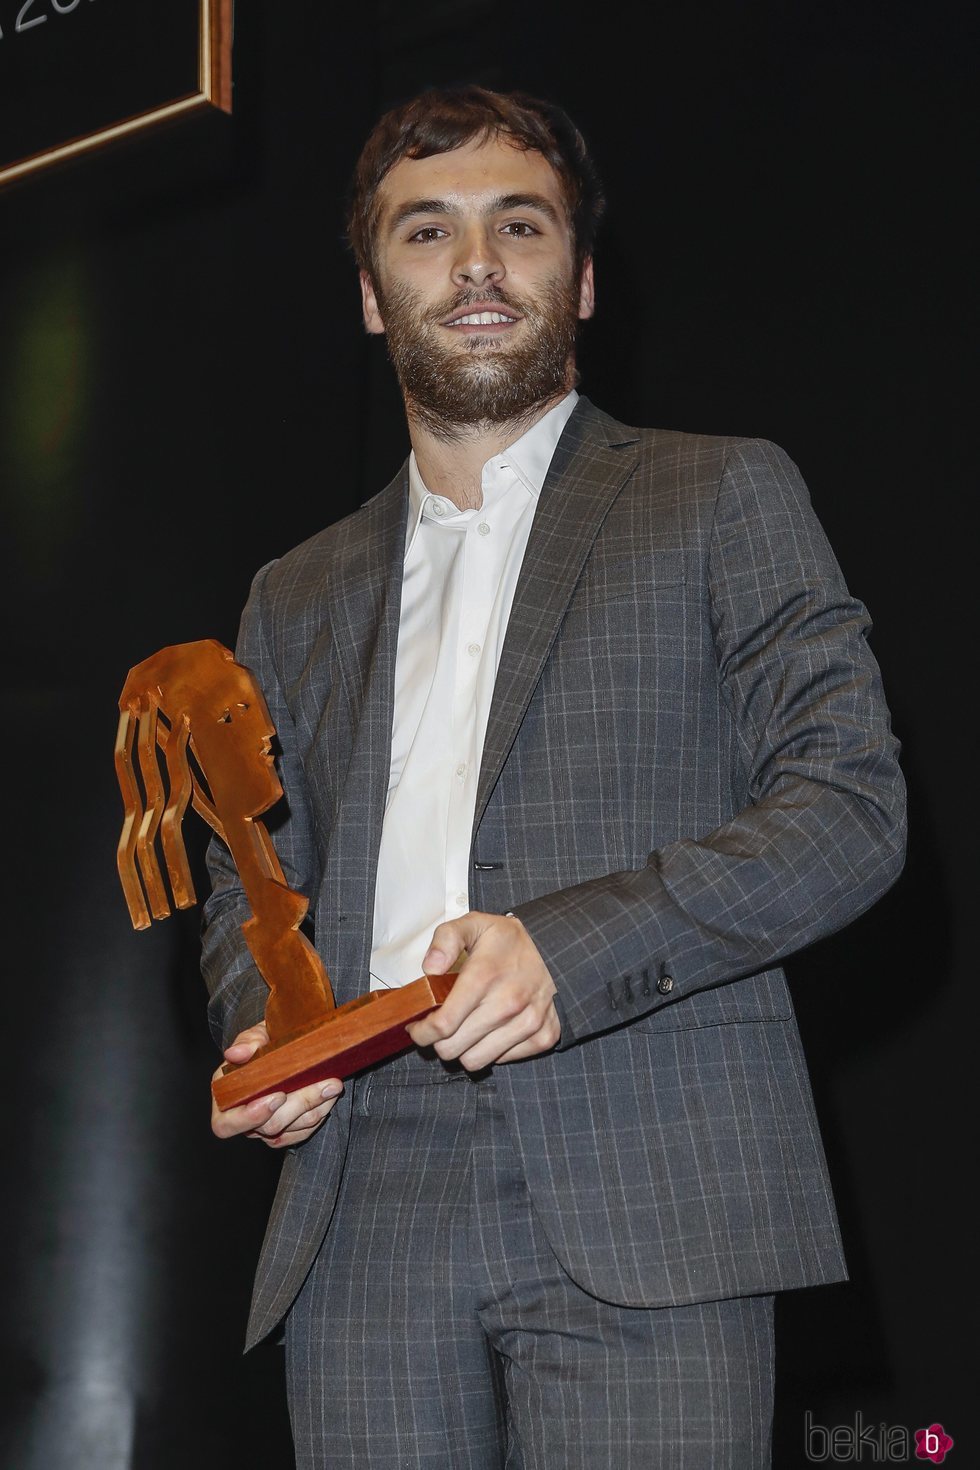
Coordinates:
(688,773)
(437,1329)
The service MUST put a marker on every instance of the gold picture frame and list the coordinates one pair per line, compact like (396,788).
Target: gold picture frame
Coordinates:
(213,90)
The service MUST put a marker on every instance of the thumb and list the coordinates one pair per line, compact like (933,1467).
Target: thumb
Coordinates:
(436,962)
(448,942)
(240,1051)
(246,1043)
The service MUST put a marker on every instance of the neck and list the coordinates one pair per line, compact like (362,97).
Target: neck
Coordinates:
(450,458)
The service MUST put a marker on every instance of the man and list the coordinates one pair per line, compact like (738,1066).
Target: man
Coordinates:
(591,707)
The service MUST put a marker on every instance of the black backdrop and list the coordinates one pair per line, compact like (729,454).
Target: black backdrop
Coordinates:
(185,391)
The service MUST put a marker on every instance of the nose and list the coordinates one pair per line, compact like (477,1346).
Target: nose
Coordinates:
(478,261)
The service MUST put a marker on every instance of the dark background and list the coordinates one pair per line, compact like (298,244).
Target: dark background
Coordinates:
(186,391)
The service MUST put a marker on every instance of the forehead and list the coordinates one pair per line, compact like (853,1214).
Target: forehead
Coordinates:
(471,176)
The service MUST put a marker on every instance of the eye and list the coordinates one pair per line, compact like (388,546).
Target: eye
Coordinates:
(226,717)
(425,234)
(519,229)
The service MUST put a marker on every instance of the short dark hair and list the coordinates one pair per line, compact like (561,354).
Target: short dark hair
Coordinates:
(444,118)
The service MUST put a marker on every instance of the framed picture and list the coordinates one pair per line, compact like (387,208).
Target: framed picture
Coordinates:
(76,74)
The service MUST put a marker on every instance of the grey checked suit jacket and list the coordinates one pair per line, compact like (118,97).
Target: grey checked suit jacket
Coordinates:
(688,774)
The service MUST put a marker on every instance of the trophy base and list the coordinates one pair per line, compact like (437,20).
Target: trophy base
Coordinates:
(348,1039)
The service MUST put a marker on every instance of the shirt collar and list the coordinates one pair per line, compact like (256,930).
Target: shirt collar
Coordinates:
(529,456)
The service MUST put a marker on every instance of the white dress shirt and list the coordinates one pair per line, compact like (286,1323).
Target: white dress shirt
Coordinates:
(461,571)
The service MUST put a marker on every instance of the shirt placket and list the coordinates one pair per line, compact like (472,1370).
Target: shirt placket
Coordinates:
(478,585)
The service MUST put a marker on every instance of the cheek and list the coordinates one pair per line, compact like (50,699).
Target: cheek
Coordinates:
(412,294)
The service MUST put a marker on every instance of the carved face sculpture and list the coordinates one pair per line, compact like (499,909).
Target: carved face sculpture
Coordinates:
(230,734)
(191,695)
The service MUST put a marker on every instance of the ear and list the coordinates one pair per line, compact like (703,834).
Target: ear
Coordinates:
(369,301)
(586,295)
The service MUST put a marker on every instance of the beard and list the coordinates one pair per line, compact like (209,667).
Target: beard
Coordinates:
(489,382)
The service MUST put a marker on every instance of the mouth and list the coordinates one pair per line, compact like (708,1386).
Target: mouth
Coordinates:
(490,320)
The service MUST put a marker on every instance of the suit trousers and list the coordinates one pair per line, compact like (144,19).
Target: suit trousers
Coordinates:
(437,1328)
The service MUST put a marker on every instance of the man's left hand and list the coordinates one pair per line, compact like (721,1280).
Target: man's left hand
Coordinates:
(501,1008)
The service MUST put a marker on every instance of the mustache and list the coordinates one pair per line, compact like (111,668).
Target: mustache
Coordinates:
(402,297)
(491,295)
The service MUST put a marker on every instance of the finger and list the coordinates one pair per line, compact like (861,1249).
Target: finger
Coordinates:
(267,1116)
(306,1124)
(545,1039)
(503,1001)
(441,1024)
(284,1118)
(303,1100)
(311,1119)
(315,1115)
(287,1140)
(468,993)
(527,1036)
(245,1118)
(496,1043)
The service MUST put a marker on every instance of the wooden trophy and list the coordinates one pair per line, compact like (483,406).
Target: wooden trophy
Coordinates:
(193,699)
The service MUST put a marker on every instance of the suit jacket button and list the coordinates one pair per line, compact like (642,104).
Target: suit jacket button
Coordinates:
(665,984)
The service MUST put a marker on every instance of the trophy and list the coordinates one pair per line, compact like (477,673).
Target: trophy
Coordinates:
(192,701)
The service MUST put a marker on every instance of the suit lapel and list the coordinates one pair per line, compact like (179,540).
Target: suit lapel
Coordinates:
(365,592)
(593,460)
(364,599)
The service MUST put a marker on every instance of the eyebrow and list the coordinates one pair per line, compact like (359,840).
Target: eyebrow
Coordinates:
(412,208)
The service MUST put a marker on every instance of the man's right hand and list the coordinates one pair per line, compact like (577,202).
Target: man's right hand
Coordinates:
(282,1118)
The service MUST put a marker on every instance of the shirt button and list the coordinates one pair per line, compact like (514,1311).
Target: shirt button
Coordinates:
(461,770)
(462,900)
(472,649)
(483,528)
(438,509)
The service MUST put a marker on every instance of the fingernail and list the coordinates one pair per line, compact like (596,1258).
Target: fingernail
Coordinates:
(276,1101)
(332,1089)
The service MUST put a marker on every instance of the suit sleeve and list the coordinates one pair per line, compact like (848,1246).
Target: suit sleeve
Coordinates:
(237,990)
(823,835)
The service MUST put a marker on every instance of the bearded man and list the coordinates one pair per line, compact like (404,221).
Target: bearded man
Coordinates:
(592,705)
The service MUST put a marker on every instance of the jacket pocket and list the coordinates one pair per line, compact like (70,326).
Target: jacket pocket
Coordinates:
(638,576)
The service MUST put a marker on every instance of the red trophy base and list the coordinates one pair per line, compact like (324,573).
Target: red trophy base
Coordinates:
(349,1038)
